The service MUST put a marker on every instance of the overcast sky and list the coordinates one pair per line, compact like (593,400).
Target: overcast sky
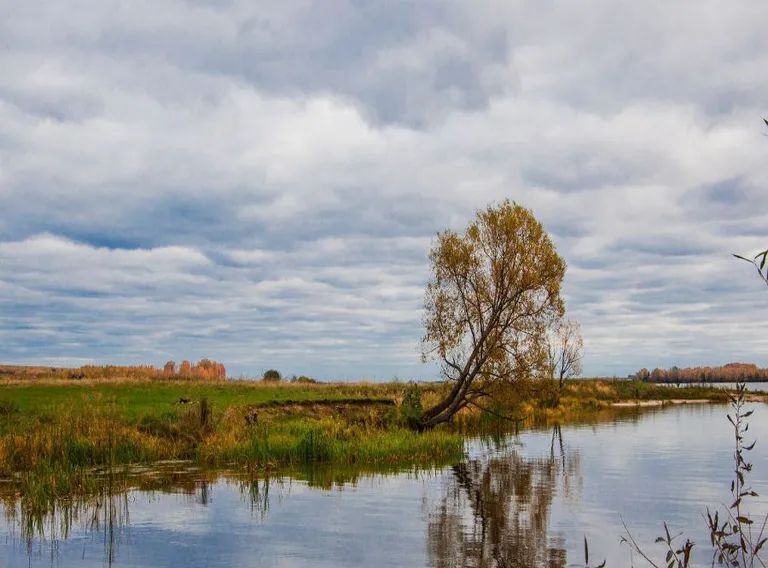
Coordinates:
(260,182)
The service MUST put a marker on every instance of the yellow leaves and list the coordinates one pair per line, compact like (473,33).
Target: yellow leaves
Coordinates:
(494,290)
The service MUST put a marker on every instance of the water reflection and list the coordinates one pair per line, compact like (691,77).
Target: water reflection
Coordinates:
(491,510)
(495,510)
(515,501)
(104,514)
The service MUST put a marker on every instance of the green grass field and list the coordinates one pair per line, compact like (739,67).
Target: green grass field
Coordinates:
(134,399)
(54,433)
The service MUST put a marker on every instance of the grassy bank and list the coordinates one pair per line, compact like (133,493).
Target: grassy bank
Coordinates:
(539,403)
(132,399)
(53,434)
(216,422)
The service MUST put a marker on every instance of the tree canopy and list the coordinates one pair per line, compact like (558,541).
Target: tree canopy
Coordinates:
(495,290)
(272,375)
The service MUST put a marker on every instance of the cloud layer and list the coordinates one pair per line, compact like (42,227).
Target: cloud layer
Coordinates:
(180,179)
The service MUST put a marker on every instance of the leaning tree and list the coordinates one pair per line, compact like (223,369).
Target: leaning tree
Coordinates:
(495,290)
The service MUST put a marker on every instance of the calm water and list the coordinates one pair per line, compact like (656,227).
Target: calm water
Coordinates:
(519,501)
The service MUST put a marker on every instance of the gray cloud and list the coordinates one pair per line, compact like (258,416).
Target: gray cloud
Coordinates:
(261,186)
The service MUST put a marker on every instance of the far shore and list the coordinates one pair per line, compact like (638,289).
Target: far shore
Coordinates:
(626,403)
(631,403)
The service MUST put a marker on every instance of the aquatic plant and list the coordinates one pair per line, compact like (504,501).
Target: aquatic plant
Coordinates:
(735,542)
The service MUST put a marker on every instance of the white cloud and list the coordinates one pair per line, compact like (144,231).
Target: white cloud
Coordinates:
(263,186)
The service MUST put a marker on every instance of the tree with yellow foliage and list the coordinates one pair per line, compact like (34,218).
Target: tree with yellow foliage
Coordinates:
(494,292)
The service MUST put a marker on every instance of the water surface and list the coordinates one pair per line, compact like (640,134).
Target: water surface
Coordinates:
(526,500)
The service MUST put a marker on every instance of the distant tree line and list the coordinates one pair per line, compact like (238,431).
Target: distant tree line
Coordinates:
(729,373)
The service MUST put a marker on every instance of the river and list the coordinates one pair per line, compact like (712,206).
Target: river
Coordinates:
(525,500)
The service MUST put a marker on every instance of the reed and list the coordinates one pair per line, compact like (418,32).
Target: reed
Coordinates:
(62,451)
(53,435)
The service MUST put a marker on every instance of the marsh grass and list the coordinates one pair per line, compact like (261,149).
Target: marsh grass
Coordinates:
(293,441)
(56,437)
(542,403)
(74,465)
(63,451)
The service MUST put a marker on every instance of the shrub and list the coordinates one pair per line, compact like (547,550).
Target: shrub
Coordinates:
(304,380)
(7,408)
(411,407)
(272,375)
(549,394)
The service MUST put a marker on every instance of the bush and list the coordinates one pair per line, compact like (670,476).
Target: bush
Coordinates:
(7,408)
(549,394)
(272,375)
(304,380)
(411,407)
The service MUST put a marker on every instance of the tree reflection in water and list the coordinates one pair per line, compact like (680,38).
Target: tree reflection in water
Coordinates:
(495,510)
